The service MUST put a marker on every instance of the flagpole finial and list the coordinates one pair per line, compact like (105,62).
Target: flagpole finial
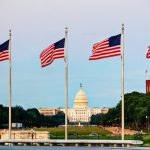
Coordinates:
(10,32)
(66,30)
(122,27)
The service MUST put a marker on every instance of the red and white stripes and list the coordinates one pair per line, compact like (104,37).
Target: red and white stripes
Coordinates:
(103,50)
(148,53)
(50,54)
(4,55)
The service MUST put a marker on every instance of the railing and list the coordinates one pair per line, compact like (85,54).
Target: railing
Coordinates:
(48,142)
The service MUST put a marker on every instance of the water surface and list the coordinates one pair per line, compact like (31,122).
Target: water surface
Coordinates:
(67,148)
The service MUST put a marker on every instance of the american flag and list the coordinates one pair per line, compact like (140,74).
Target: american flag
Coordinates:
(52,52)
(148,53)
(107,48)
(4,51)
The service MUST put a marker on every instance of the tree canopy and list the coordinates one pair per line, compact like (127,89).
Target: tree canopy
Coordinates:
(30,117)
(137,112)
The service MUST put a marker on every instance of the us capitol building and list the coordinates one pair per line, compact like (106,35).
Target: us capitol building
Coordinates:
(80,112)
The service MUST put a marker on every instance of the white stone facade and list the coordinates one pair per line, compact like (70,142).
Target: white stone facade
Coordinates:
(80,113)
(48,111)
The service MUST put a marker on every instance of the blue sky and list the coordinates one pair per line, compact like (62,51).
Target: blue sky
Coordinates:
(36,24)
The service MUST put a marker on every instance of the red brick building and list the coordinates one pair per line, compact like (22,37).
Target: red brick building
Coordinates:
(147,86)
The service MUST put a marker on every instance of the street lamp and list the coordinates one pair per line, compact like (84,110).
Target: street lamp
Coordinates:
(147,123)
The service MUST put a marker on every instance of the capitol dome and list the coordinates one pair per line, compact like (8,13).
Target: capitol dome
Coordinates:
(81,100)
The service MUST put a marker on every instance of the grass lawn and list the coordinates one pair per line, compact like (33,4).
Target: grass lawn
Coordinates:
(146,139)
(76,130)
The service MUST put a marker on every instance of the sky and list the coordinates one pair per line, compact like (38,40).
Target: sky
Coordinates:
(36,24)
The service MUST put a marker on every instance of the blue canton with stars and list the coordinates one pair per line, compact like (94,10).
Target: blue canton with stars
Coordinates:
(60,44)
(115,40)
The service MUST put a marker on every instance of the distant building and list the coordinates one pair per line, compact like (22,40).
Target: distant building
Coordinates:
(24,134)
(147,86)
(48,111)
(80,112)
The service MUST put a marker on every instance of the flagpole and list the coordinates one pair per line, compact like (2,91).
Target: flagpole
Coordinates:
(146,73)
(122,81)
(9,85)
(66,84)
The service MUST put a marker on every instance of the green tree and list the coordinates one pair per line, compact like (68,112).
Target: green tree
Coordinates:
(59,118)
(97,119)
(137,107)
